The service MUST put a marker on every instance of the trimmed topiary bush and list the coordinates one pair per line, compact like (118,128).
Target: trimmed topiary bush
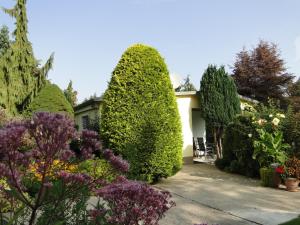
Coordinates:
(140,118)
(50,99)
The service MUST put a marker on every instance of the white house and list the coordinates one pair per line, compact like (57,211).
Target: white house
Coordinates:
(189,109)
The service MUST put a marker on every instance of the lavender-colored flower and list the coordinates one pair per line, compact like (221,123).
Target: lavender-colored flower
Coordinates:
(116,161)
(89,143)
(133,202)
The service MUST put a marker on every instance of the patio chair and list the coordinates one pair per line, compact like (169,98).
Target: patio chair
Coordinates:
(198,150)
(207,149)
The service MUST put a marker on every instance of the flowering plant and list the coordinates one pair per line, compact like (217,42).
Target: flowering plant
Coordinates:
(62,192)
(269,147)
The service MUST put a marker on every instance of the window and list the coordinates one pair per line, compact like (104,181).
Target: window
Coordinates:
(85,122)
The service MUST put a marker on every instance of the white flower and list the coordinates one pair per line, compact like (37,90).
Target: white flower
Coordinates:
(280,115)
(271,115)
(275,121)
(250,135)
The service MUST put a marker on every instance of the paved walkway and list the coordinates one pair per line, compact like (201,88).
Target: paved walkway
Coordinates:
(203,194)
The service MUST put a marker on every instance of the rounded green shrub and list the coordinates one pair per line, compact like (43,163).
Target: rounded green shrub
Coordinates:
(238,147)
(140,118)
(50,99)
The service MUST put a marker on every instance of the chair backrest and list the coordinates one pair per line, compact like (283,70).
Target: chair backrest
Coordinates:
(195,144)
(201,143)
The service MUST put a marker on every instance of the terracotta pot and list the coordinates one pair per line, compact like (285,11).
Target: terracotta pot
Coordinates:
(292,184)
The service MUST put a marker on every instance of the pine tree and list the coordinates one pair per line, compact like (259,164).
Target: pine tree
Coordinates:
(71,94)
(186,86)
(21,78)
(4,40)
(219,102)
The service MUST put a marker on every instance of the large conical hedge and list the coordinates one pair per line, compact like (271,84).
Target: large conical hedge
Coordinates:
(50,99)
(140,119)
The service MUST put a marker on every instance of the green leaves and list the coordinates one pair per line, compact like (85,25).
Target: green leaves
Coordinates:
(270,148)
(140,119)
(218,96)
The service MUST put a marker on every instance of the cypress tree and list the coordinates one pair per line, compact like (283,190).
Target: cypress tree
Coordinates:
(219,102)
(21,78)
(140,119)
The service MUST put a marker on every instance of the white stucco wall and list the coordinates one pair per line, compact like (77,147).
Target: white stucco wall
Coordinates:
(186,102)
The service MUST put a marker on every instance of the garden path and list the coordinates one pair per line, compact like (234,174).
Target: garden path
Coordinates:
(206,195)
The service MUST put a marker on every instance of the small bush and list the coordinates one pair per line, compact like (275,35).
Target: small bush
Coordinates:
(98,168)
(238,147)
(50,99)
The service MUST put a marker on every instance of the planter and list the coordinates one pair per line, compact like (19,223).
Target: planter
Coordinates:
(266,176)
(292,184)
(276,180)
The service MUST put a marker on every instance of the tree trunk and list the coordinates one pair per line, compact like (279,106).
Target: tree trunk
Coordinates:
(216,142)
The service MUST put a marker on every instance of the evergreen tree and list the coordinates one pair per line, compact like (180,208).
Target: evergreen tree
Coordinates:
(50,99)
(186,86)
(140,118)
(4,40)
(71,94)
(21,78)
(261,73)
(219,102)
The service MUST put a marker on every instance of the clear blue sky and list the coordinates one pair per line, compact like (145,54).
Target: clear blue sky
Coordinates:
(89,37)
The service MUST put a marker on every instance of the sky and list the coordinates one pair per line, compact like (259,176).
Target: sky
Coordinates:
(88,37)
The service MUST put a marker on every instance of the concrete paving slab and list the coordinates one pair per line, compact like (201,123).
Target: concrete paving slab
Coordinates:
(207,195)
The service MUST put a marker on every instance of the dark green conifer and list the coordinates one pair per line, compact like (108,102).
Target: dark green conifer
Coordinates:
(21,78)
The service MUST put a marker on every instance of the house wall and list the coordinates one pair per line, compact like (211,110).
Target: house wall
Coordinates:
(89,111)
(186,104)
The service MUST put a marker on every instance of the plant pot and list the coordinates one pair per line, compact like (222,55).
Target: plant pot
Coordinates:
(266,176)
(292,184)
(276,180)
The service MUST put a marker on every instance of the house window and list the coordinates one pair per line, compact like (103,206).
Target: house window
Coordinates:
(85,122)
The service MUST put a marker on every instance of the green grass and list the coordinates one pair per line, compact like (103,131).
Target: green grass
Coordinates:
(292,222)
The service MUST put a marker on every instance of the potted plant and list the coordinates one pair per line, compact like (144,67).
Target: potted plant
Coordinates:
(292,172)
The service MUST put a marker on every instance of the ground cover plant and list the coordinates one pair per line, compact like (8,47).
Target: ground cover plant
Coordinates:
(43,176)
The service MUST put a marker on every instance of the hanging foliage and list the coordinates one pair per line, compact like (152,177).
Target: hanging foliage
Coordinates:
(21,76)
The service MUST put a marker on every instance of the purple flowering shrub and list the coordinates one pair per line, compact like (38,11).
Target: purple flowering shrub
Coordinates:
(62,194)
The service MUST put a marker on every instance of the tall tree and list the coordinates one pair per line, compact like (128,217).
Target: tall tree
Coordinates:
(71,94)
(186,86)
(21,78)
(4,40)
(261,73)
(220,102)
(140,118)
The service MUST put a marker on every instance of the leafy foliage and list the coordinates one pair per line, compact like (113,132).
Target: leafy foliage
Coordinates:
(4,40)
(291,131)
(269,148)
(71,94)
(261,74)
(50,99)
(21,78)
(219,101)
(238,147)
(140,119)
(62,194)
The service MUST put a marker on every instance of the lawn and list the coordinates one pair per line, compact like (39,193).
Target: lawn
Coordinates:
(292,222)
